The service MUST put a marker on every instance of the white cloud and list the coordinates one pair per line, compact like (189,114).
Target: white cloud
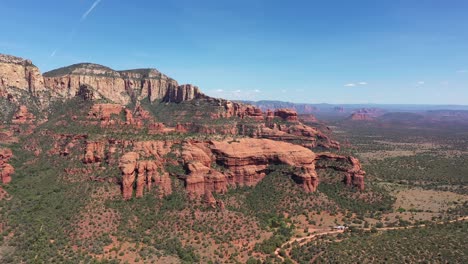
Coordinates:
(53,53)
(256,91)
(350,85)
(462,71)
(363,83)
(86,14)
(219,90)
(420,83)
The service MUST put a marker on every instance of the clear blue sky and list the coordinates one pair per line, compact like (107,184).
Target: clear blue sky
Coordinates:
(373,51)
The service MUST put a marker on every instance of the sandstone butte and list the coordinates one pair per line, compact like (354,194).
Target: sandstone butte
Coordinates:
(366,114)
(210,166)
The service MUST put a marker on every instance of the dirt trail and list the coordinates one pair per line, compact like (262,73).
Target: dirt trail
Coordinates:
(304,240)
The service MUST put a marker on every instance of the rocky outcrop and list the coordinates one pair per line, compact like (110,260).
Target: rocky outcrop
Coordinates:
(143,174)
(6,170)
(93,81)
(287,115)
(121,87)
(354,175)
(104,112)
(23,116)
(234,109)
(19,73)
(128,165)
(361,117)
(247,160)
(95,152)
(366,114)
(202,179)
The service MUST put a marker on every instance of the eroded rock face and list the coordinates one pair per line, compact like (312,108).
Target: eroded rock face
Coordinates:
(23,116)
(6,170)
(143,173)
(19,73)
(94,152)
(128,165)
(248,159)
(105,111)
(354,175)
(287,115)
(93,81)
(202,179)
(119,86)
(366,114)
(234,109)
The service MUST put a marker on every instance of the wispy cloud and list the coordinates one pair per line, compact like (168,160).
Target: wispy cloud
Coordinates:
(462,71)
(355,84)
(420,83)
(53,53)
(93,6)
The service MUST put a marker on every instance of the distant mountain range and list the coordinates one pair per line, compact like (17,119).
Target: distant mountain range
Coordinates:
(304,108)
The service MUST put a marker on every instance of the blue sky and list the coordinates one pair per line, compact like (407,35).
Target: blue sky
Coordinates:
(300,51)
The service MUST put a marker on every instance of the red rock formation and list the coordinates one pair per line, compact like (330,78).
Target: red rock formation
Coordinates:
(6,170)
(119,86)
(128,165)
(143,172)
(366,114)
(269,116)
(287,115)
(209,199)
(354,175)
(361,117)
(202,179)
(147,170)
(19,73)
(23,116)
(248,159)
(232,109)
(104,112)
(94,152)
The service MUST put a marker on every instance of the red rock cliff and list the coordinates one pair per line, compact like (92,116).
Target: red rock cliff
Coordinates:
(6,170)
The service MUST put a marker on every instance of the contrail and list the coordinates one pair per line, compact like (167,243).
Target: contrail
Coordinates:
(85,15)
(83,18)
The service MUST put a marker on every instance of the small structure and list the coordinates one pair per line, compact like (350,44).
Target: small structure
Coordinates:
(340,227)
